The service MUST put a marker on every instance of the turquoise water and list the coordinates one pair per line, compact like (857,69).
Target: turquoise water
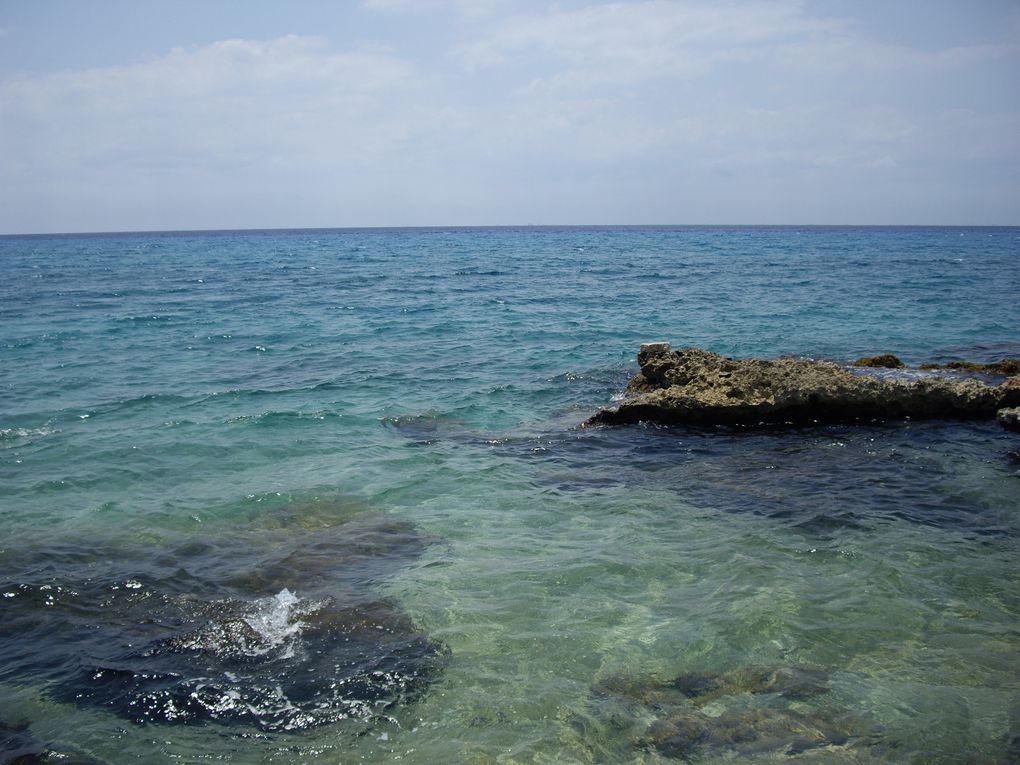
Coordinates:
(321,496)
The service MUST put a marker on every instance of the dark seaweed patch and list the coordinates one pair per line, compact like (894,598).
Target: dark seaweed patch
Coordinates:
(821,481)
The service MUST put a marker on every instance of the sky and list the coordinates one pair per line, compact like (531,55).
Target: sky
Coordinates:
(121,115)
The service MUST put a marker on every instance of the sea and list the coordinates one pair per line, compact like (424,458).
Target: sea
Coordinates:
(324,496)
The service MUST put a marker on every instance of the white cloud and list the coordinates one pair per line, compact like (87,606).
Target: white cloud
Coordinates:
(575,112)
(232,102)
(619,42)
(470,9)
(862,57)
(223,123)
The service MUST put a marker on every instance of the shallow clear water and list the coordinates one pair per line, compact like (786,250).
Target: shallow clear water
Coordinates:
(320,496)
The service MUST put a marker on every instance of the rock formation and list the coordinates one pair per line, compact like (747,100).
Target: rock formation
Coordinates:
(1009,417)
(694,386)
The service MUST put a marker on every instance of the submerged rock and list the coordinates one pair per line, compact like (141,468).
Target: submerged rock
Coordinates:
(425,428)
(276,627)
(694,386)
(700,688)
(795,682)
(19,747)
(278,664)
(744,733)
(741,713)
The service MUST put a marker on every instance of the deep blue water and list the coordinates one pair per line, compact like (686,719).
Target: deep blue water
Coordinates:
(320,496)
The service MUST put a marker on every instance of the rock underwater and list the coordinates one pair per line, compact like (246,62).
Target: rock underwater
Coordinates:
(205,629)
(697,387)
(745,713)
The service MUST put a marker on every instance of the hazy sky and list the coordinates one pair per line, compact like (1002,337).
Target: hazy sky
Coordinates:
(129,115)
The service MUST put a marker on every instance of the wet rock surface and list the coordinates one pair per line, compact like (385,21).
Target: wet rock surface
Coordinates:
(1009,417)
(883,361)
(1007,366)
(698,387)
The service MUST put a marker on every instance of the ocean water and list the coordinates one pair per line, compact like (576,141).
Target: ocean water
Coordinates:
(323,497)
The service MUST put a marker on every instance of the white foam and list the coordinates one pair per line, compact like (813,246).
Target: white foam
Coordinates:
(274,619)
(19,434)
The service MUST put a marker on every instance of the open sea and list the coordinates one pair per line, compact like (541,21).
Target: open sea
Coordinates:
(321,496)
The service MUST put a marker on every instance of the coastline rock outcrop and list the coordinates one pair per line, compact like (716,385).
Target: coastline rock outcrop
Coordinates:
(698,387)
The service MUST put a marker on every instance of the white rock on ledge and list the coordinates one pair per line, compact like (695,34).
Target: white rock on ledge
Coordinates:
(654,349)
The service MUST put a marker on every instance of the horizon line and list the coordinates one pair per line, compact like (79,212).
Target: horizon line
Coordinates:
(455,227)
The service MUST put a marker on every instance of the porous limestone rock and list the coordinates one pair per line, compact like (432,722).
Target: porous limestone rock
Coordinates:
(695,386)
(885,361)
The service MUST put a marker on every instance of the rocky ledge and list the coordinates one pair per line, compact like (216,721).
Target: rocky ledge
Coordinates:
(695,386)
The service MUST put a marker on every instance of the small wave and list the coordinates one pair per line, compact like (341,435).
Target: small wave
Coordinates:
(136,402)
(12,436)
(896,374)
(272,418)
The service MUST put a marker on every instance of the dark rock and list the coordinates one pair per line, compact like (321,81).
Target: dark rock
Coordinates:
(741,713)
(885,361)
(693,386)
(19,747)
(424,429)
(643,691)
(795,682)
(1003,367)
(291,672)
(681,736)
(1009,417)
(650,350)
(208,630)
(743,733)
(695,684)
